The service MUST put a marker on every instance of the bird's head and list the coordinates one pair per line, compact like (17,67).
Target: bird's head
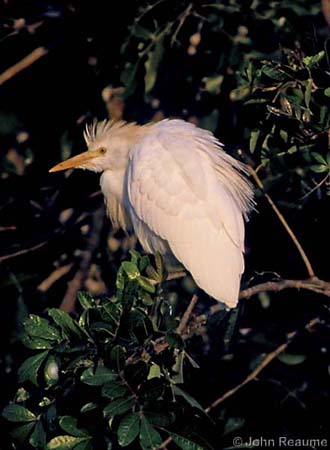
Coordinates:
(108,147)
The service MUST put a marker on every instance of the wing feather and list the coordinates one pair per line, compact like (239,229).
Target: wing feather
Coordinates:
(175,190)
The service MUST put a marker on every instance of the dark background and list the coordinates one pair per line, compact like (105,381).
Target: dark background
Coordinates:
(44,215)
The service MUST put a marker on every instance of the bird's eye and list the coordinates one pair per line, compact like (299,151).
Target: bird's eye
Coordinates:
(102,150)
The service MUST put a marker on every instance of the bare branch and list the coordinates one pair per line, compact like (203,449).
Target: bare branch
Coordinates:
(284,223)
(24,251)
(253,375)
(23,64)
(54,276)
(186,316)
(264,363)
(311,284)
(175,275)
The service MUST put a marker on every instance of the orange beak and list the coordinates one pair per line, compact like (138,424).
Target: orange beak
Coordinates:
(76,161)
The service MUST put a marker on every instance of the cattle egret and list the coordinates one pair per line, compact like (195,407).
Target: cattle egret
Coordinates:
(175,187)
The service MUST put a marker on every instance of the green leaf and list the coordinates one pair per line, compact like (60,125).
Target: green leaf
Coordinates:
(144,262)
(88,407)
(146,284)
(98,377)
(128,429)
(185,443)
(38,436)
(51,371)
(240,93)
(22,432)
(151,65)
(275,73)
(311,61)
(174,340)
(319,158)
(178,368)
(17,413)
(86,300)
(308,92)
(69,425)
(140,324)
(136,373)
(131,270)
(327,92)
(154,372)
(319,168)
(114,390)
(129,77)
(84,445)
(189,399)
(152,273)
(213,83)
(291,359)
(146,298)
(28,371)
(159,419)
(141,32)
(253,139)
(37,343)
(68,326)
(194,364)
(118,355)
(150,439)
(119,406)
(159,264)
(120,284)
(38,327)
(64,442)
(110,313)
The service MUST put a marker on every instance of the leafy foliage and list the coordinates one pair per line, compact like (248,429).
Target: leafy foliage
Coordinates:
(102,379)
(116,373)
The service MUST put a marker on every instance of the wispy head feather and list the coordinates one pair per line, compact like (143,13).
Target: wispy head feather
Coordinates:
(99,130)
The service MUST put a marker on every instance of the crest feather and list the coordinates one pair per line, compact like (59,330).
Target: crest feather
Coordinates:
(98,130)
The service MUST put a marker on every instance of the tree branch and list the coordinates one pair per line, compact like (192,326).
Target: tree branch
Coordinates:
(253,375)
(284,223)
(264,363)
(186,316)
(311,284)
(23,64)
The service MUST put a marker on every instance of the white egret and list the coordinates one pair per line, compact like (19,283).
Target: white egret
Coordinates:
(173,184)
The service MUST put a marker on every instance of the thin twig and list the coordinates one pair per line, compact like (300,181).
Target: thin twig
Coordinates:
(175,275)
(264,363)
(284,223)
(253,375)
(24,251)
(315,187)
(314,284)
(165,443)
(186,316)
(54,276)
(23,64)
(186,13)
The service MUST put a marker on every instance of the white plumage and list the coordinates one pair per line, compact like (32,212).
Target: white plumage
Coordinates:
(179,191)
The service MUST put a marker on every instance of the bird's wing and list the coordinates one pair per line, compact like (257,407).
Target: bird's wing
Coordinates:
(174,189)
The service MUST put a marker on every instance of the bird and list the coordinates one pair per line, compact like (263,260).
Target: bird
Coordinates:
(172,183)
